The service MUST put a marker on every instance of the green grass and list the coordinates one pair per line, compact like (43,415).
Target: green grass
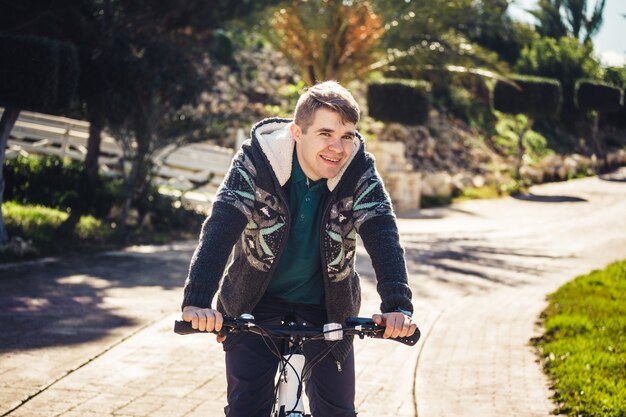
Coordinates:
(38,224)
(584,345)
(475,193)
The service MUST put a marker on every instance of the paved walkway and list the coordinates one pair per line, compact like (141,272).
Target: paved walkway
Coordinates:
(92,337)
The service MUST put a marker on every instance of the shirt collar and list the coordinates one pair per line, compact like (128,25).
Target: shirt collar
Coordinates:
(297,174)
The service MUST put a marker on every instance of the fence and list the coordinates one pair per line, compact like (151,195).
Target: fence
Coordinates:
(194,171)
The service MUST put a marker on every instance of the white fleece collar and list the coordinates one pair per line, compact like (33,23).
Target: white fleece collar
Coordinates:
(274,137)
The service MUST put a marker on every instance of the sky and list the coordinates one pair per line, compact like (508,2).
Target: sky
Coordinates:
(610,42)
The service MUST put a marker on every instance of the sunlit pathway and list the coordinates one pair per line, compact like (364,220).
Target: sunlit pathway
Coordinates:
(480,272)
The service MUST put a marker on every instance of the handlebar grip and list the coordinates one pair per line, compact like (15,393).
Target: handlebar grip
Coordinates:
(184,327)
(410,341)
(378,331)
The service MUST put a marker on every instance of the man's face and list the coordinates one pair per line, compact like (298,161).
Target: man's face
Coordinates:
(326,146)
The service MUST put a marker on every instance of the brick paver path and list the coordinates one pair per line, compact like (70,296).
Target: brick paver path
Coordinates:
(92,337)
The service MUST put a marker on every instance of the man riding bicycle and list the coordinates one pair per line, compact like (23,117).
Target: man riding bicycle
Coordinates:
(292,203)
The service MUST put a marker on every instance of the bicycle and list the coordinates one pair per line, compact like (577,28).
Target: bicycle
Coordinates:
(292,370)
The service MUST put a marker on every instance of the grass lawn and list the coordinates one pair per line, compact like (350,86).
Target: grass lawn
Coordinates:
(584,345)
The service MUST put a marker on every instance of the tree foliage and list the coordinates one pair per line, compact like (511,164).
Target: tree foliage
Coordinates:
(327,39)
(421,37)
(138,61)
(558,18)
(38,74)
(564,59)
(41,73)
(492,28)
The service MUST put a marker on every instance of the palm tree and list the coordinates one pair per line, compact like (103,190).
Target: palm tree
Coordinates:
(557,18)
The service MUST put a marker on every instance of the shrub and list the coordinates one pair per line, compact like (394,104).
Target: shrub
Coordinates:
(90,228)
(401,101)
(55,183)
(599,96)
(39,224)
(508,128)
(616,76)
(565,59)
(169,212)
(534,96)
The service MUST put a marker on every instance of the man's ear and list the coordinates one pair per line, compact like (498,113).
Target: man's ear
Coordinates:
(296,132)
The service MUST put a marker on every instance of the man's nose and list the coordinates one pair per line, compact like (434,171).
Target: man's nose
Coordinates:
(335,145)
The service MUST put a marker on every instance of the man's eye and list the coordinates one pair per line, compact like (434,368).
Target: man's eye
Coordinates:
(347,138)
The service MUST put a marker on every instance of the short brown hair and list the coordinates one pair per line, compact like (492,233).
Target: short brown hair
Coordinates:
(329,95)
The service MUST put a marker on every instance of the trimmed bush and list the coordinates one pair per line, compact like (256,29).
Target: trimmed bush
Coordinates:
(401,101)
(536,96)
(55,183)
(37,74)
(599,96)
(618,119)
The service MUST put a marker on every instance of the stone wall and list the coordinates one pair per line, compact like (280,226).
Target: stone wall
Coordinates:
(402,183)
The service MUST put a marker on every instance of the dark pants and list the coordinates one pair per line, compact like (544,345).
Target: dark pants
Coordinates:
(251,368)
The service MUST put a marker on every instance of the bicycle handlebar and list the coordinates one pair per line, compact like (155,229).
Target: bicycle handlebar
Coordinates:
(355,326)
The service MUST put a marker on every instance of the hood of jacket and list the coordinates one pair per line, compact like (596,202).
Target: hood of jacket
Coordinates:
(274,137)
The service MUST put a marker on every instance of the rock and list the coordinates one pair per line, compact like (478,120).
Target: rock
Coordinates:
(437,184)
(613,159)
(462,180)
(551,166)
(20,247)
(394,132)
(404,189)
(532,175)
(572,166)
(390,156)
(479,181)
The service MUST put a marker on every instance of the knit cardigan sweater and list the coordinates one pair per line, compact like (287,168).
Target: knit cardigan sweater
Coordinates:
(251,213)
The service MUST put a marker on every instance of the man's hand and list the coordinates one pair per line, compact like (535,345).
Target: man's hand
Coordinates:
(204,319)
(396,324)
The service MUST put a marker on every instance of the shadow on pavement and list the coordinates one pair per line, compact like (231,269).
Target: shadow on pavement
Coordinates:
(613,177)
(75,300)
(461,261)
(548,198)
(434,213)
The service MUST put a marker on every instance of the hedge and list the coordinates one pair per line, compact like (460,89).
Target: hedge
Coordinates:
(595,95)
(38,74)
(401,101)
(618,119)
(55,183)
(537,97)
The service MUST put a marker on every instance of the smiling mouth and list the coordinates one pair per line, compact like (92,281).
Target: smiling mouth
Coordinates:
(325,158)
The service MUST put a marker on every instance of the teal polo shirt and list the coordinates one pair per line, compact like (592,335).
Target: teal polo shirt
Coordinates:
(298,277)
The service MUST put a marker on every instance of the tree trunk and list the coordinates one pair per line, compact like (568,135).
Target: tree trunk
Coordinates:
(131,184)
(90,181)
(520,145)
(9,117)
(596,142)
(93,144)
